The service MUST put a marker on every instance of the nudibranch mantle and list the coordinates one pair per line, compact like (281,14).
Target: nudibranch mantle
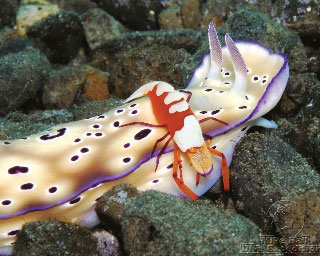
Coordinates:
(59,174)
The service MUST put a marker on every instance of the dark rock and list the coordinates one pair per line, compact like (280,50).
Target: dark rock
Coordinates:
(297,219)
(303,132)
(16,125)
(190,40)
(303,16)
(139,15)
(145,64)
(15,45)
(308,122)
(216,11)
(7,13)
(155,223)
(20,43)
(298,84)
(264,170)
(22,74)
(317,150)
(56,238)
(170,18)
(63,33)
(62,88)
(79,6)
(299,15)
(314,60)
(99,26)
(94,108)
(108,244)
(190,13)
(111,205)
(250,25)
(6,33)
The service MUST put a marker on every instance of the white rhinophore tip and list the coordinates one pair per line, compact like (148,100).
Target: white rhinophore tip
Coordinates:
(240,69)
(215,52)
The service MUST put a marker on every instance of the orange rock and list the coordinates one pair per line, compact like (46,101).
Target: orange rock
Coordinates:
(96,86)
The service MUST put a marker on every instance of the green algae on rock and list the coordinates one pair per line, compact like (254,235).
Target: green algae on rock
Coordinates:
(155,223)
(265,169)
(63,33)
(59,238)
(22,74)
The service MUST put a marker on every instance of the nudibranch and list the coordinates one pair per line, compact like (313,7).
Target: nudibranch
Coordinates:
(60,173)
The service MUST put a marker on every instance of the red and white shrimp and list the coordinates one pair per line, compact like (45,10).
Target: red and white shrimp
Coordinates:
(173,112)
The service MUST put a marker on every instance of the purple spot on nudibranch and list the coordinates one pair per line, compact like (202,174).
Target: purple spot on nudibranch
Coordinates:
(244,128)
(53,189)
(170,166)
(101,117)
(155,181)
(48,137)
(98,134)
(26,186)
(96,126)
(226,73)
(84,150)
(6,143)
(116,124)
(119,110)
(74,201)
(77,140)
(132,105)
(243,107)
(24,138)
(126,160)
(221,91)
(264,81)
(6,202)
(88,133)
(226,82)
(208,90)
(18,169)
(74,158)
(214,147)
(203,112)
(134,112)
(126,145)
(247,98)
(215,112)
(255,78)
(13,232)
(142,134)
